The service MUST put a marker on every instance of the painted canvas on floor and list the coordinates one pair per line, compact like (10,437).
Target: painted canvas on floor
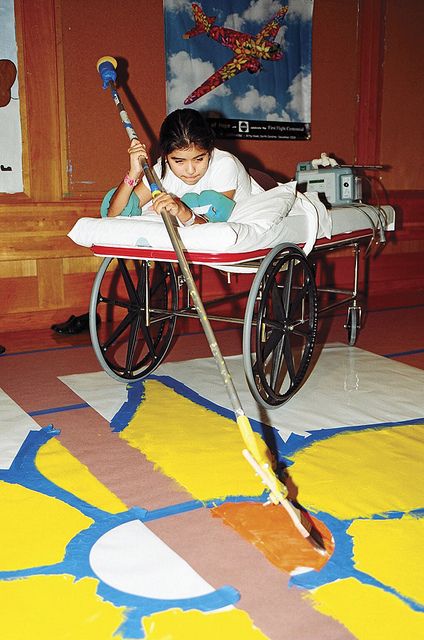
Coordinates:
(135,515)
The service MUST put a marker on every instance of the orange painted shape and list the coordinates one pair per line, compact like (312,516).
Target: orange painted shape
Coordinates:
(270,529)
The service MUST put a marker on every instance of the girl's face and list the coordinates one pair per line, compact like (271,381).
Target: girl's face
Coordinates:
(189,164)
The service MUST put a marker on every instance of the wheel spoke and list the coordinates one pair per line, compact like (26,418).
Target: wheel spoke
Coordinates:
(288,354)
(271,343)
(300,296)
(277,300)
(132,343)
(277,360)
(129,285)
(287,288)
(117,333)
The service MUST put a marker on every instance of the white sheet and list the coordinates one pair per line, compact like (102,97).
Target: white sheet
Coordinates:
(264,221)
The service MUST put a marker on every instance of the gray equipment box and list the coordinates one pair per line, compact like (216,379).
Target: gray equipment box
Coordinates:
(338,184)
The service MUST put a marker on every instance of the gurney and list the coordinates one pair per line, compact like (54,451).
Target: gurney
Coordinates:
(139,291)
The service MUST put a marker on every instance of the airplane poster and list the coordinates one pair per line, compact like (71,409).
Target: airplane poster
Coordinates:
(245,64)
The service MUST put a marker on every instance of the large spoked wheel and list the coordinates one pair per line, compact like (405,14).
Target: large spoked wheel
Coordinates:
(136,301)
(280,326)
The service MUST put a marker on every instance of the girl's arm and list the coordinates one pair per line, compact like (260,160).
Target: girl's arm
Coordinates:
(131,182)
(229,194)
(175,207)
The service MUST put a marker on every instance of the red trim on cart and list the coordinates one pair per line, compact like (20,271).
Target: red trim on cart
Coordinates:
(199,257)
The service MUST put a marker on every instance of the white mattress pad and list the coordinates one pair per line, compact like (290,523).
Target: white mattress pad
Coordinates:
(264,221)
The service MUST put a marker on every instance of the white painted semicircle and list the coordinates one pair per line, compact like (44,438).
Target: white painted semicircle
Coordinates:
(132,559)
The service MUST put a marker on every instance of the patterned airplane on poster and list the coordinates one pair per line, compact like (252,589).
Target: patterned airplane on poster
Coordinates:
(249,50)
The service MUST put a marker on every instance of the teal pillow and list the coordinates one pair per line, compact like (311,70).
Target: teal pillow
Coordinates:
(220,207)
(132,209)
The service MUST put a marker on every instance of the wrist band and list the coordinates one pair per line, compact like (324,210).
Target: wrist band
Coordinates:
(190,221)
(130,182)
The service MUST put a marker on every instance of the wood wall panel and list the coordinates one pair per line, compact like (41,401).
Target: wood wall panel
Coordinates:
(50,283)
(18,295)
(15,269)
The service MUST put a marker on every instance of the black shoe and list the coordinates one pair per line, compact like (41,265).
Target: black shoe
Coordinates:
(60,327)
(75,324)
(2,349)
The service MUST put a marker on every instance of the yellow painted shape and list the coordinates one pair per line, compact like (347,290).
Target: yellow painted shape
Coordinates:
(359,473)
(196,447)
(57,464)
(368,612)
(176,624)
(392,552)
(57,608)
(35,528)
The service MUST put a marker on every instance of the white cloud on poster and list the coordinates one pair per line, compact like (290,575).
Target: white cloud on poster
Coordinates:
(252,101)
(234,21)
(300,10)
(178,6)
(184,72)
(261,11)
(300,91)
(298,107)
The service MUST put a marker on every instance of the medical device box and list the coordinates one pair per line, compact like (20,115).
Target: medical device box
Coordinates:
(338,184)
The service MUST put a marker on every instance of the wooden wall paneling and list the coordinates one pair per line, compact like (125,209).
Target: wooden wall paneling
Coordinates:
(371,34)
(402,122)
(17,295)
(18,268)
(83,264)
(62,120)
(50,283)
(77,290)
(37,28)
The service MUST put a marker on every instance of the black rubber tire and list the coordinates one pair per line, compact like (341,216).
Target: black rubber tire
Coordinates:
(280,326)
(131,341)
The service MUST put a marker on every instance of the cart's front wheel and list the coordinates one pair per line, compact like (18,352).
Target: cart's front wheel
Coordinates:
(136,301)
(353,324)
(280,326)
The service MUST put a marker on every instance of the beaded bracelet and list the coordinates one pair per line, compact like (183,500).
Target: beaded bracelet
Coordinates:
(130,181)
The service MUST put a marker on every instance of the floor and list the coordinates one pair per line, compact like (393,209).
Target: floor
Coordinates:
(46,381)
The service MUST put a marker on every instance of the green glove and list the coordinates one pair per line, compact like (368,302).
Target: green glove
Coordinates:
(220,207)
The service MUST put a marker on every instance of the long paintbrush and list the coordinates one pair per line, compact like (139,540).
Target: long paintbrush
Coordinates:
(106,67)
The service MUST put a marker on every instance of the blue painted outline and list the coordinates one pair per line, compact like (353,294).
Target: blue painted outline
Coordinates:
(24,472)
(47,349)
(76,563)
(67,407)
(341,564)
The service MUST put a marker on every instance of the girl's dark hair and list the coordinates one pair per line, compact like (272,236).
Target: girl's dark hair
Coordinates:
(183,128)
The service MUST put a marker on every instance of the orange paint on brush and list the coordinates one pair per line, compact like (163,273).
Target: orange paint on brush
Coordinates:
(271,530)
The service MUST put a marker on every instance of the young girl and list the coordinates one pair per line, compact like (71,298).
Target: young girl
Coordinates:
(192,171)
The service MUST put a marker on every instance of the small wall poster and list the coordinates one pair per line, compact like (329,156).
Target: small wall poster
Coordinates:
(11,180)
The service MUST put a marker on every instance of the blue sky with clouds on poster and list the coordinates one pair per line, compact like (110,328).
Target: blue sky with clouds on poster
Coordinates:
(280,92)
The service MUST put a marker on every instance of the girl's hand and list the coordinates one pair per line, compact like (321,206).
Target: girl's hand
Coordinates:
(138,155)
(173,206)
